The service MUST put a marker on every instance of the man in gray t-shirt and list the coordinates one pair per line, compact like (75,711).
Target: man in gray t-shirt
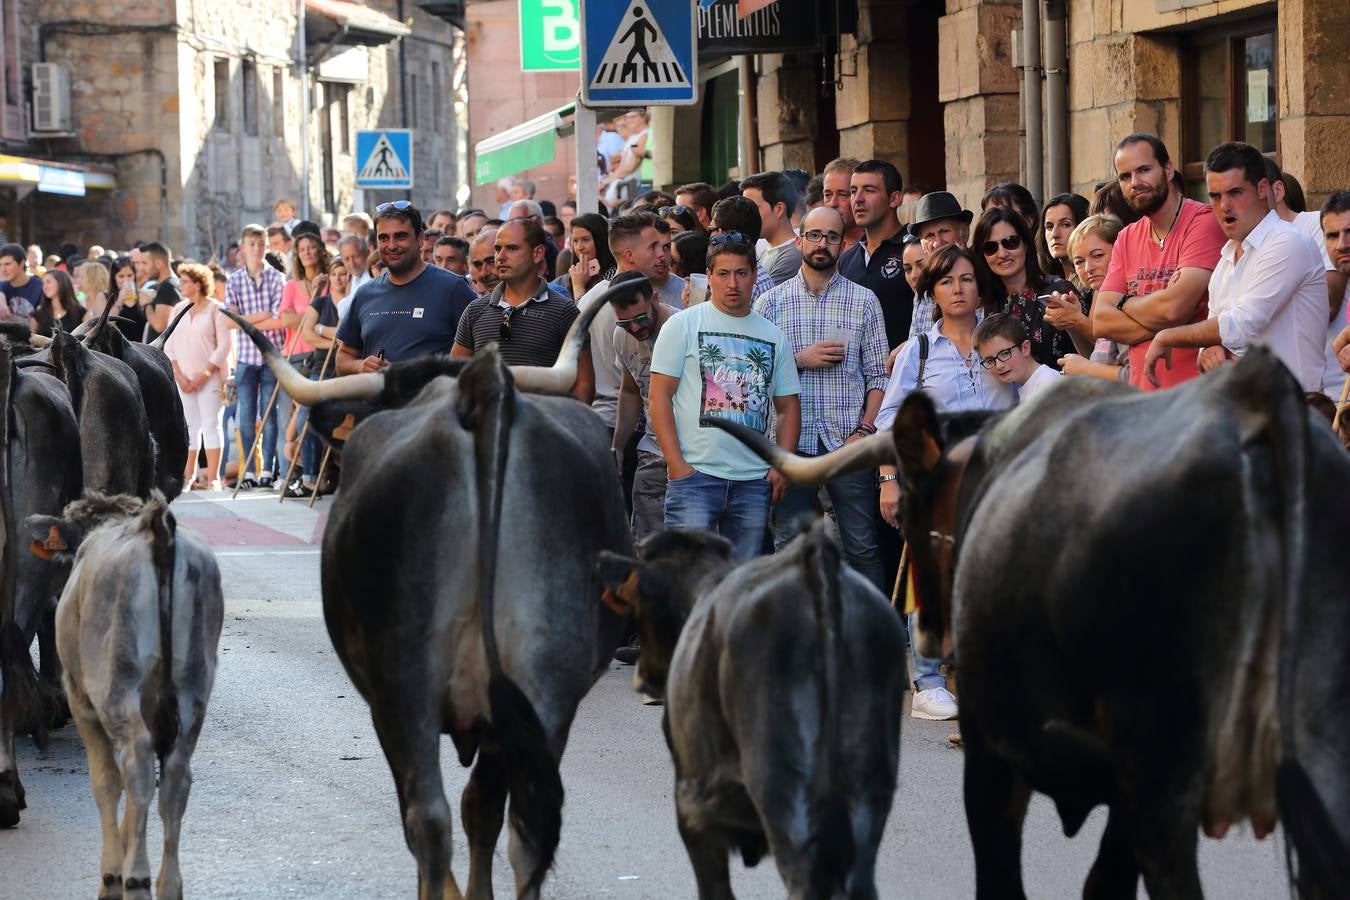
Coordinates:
(639,318)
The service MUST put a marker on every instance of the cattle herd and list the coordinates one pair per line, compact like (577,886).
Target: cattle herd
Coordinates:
(1076,558)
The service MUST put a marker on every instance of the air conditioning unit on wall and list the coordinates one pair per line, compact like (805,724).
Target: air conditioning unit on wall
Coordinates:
(51,98)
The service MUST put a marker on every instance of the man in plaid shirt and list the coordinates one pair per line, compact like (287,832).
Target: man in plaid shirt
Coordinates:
(838,338)
(254,292)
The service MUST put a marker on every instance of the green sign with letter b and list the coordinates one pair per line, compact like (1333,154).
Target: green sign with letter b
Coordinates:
(550,36)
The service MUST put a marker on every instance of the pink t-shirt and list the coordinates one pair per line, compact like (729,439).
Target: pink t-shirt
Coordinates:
(295,298)
(1139,268)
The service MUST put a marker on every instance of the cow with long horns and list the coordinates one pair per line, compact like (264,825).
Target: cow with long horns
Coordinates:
(453,459)
(1146,602)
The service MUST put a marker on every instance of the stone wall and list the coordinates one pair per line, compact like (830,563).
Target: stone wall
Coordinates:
(978,84)
(143,94)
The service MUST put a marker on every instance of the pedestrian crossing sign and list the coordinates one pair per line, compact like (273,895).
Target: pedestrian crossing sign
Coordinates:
(384,159)
(638,52)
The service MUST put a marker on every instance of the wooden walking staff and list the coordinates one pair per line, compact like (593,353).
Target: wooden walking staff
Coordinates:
(1340,407)
(327,450)
(304,432)
(258,439)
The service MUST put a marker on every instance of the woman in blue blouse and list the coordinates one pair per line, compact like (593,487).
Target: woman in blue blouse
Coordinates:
(953,377)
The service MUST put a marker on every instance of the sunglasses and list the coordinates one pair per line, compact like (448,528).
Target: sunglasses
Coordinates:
(829,237)
(678,210)
(1011,242)
(394,204)
(1001,356)
(641,320)
(504,333)
(734,237)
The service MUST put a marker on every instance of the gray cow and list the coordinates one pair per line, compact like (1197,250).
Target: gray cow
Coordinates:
(783,741)
(136,630)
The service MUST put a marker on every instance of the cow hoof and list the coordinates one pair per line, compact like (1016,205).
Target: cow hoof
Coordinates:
(112,888)
(9,815)
(136,884)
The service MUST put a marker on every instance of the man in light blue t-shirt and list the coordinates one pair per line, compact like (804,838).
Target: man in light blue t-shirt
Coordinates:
(721,360)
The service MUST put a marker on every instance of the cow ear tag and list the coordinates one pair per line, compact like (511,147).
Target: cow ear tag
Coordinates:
(54,540)
(41,550)
(625,597)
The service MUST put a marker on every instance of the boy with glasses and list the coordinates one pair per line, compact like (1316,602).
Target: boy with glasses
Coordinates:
(1005,350)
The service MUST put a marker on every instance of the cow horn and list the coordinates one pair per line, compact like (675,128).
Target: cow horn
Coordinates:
(871,451)
(39,341)
(92,326)
(305,392)
(561,377)
(159,342)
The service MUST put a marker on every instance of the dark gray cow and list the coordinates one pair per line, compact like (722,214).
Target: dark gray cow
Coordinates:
(39,473)
(782,704)
(137,630)
(159,391)
(440,635)
(1146,594)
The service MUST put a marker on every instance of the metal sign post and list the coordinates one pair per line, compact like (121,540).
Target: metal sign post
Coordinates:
(588,178)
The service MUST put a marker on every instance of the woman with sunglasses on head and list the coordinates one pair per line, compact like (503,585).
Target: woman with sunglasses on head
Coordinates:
(1053,313)
(681,219)
(944,363)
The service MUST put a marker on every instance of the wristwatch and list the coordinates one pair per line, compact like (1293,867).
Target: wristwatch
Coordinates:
(882,479)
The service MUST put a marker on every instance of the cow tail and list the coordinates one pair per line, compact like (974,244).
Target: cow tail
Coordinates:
(487,398)
(163,551)
(22,696)
(1317,859)
(833,840)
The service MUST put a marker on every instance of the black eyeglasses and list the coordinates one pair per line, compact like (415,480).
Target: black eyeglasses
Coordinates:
(1001,356)
(504,333)
(1011,242)
(640,320)
(679,209)
(394,204)
(734,237)
(829,237)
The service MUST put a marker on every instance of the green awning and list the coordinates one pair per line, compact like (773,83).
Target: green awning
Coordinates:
(521,147)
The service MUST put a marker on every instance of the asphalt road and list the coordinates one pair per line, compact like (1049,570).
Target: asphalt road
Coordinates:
(292,797)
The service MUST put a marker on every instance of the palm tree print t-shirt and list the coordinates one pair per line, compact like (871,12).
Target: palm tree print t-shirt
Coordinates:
(729,368)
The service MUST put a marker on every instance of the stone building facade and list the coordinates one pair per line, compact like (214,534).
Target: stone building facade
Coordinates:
(198,109)
(934,87)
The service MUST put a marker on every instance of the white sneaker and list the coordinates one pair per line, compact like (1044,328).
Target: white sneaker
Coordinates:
(935,704)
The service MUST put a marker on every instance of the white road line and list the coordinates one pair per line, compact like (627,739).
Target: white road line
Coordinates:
(268,552)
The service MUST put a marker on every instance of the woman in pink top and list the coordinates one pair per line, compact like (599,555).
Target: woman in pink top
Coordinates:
(310,264)
(198,349)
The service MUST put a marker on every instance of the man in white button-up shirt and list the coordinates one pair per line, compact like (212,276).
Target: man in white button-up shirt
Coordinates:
(1269,286)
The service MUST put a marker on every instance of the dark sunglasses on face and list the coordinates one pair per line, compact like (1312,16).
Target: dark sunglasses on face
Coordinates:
(1001,356)
(1011,242)
(829,237)
(640,320)
(394,204)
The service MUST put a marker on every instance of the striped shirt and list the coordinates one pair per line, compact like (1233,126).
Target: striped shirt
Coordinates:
(832,398)
(246,297)
(537,327)
(763,283)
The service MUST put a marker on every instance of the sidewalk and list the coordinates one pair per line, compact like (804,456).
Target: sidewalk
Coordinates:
(257,520)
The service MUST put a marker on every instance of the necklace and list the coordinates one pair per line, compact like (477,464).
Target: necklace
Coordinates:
(1154,232)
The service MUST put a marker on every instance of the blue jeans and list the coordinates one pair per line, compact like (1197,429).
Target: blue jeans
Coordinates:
(311,450)
(856,509)
(256,384)
(927,672)
(737,510)
(227,426)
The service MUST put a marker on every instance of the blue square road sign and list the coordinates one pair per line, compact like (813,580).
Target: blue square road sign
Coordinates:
(384,159)
(638,52)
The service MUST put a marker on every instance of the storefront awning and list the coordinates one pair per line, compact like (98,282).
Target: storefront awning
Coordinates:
(52,177)
(521,147)
(345,22)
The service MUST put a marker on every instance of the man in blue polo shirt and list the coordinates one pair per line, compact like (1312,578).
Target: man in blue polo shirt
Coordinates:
(411,310)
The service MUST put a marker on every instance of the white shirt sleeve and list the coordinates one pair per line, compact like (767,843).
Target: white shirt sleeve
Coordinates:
(1267,283)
